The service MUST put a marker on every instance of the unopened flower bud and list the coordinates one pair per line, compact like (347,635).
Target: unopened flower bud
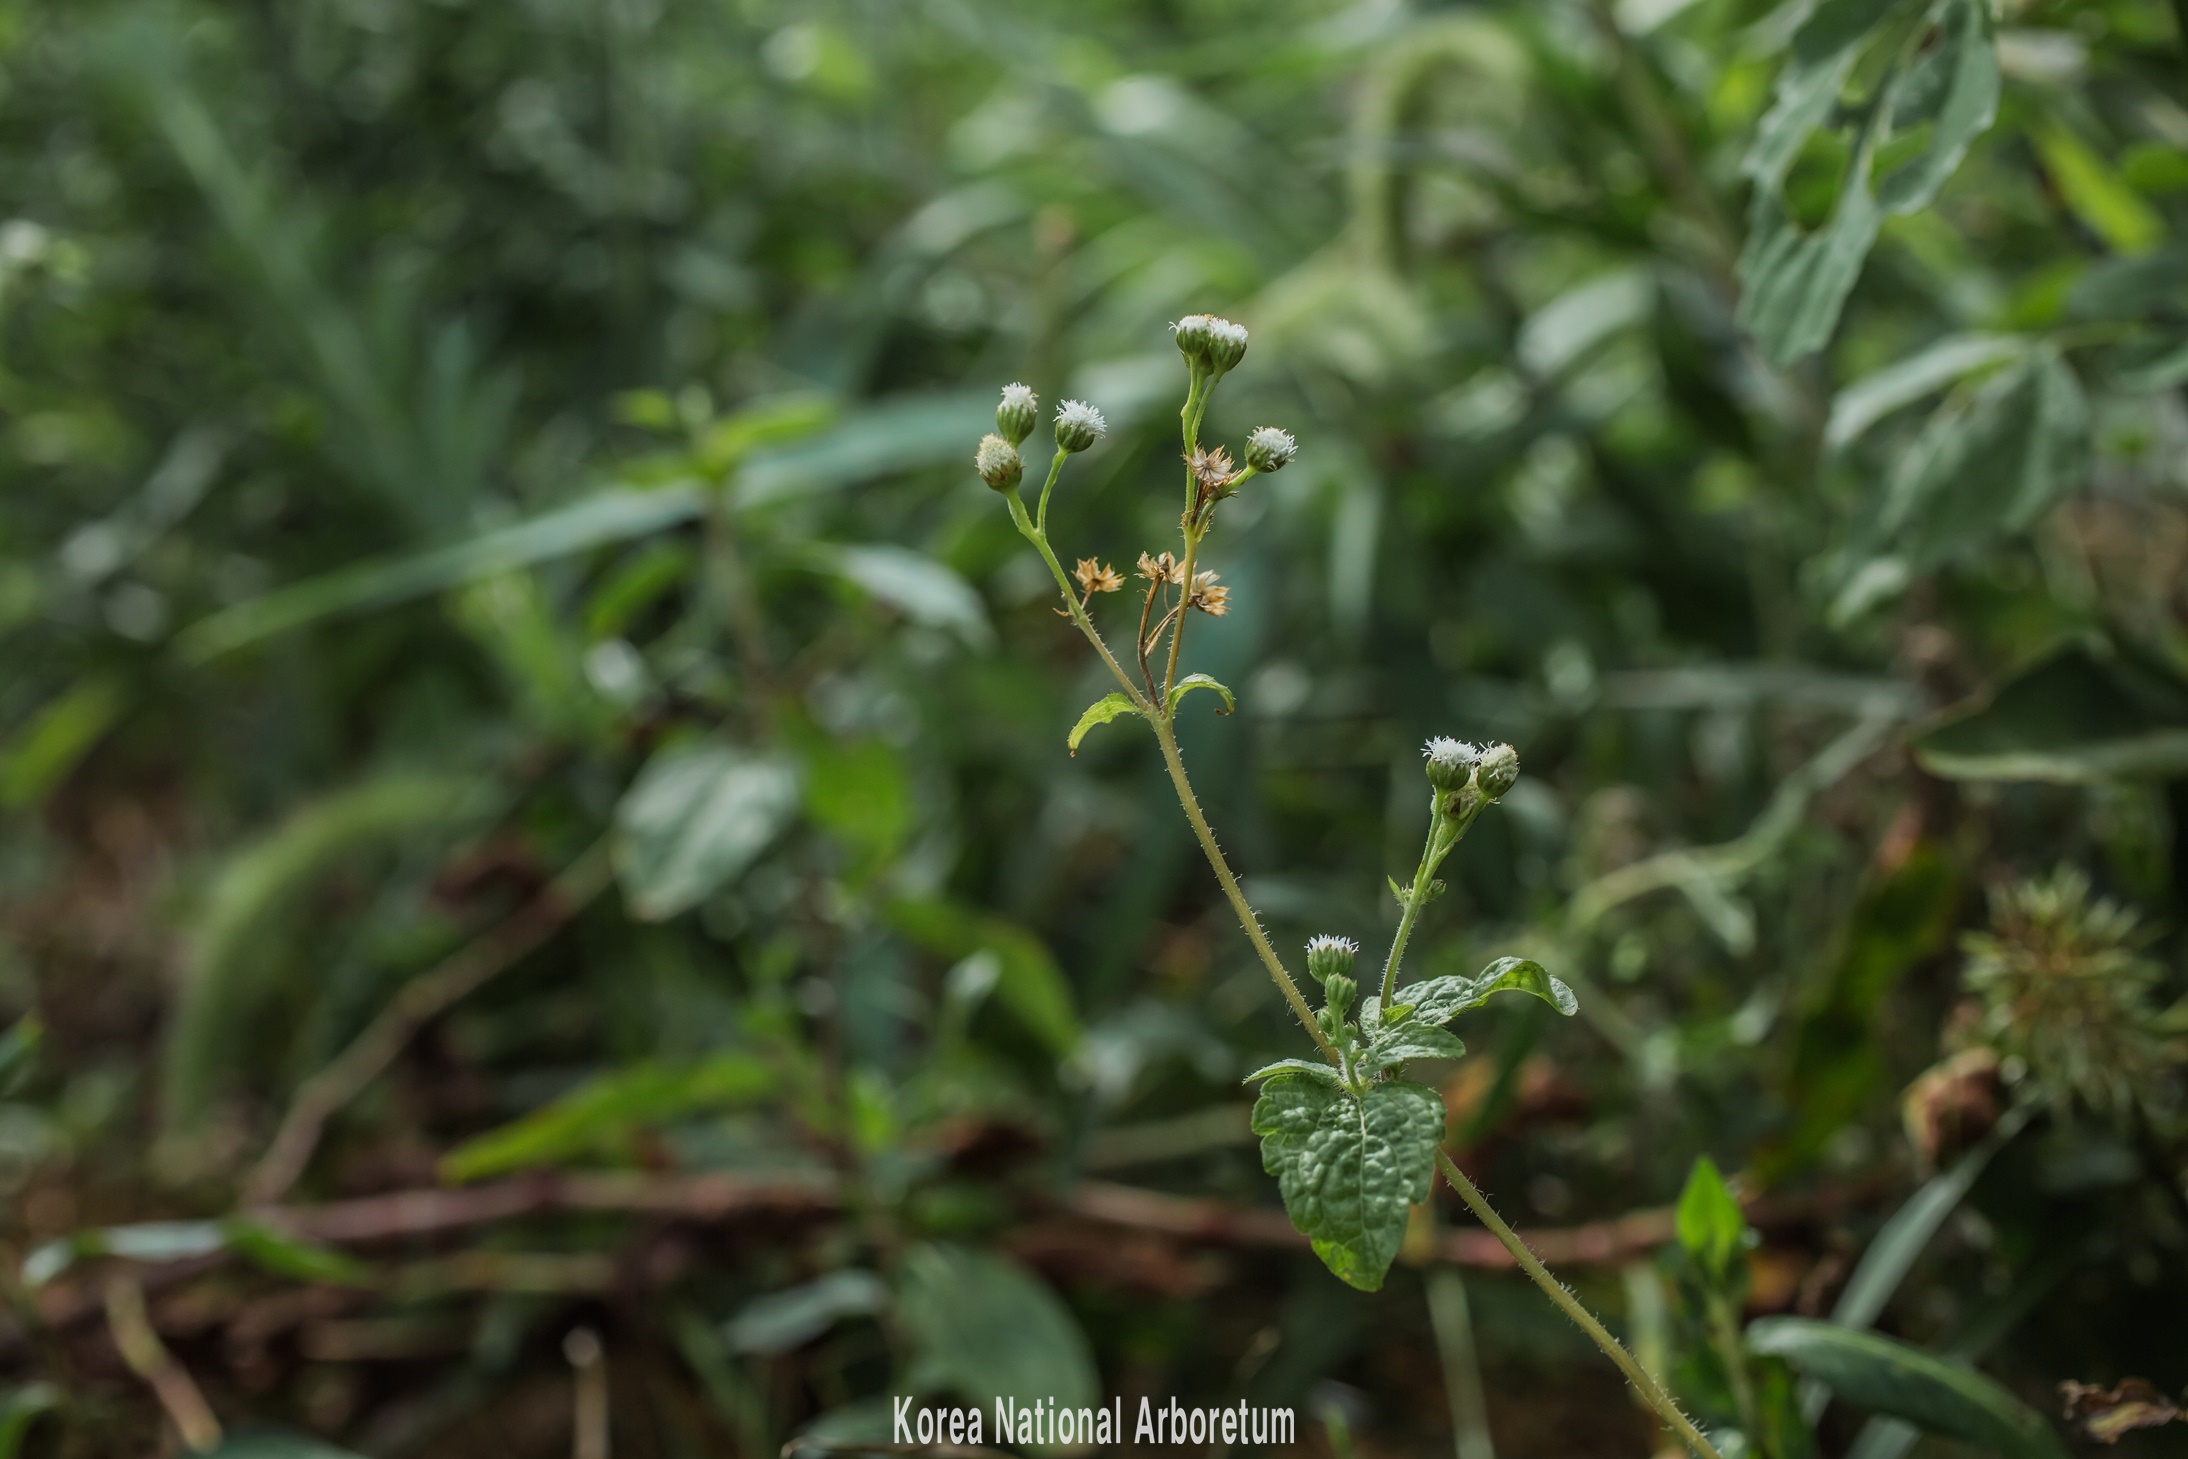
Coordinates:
(1338,993)
(1497,771)
(1226,344)
(1450,762)
(1269,449)
(1018,414)
(1195,333)
(1329,957)
(1078,425)
(998,463)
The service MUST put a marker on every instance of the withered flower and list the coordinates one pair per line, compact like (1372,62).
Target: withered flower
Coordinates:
(1096,577)
(1212,469)
(1208,597)
(1161,568)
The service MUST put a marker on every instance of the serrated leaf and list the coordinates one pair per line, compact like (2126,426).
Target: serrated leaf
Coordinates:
(1350,1166)
(1883,1376)
(1411,1039)
(1100,712)
(1437,1001)
(1311,1068)
(1712,1229)
(983,1327)
(2077,714)
(694,820)
(1191,682)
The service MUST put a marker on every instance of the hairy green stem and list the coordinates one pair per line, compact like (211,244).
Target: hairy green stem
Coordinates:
(1167,738)
(1651,1392)
(1177,629)
(1033,534)
(1416,896)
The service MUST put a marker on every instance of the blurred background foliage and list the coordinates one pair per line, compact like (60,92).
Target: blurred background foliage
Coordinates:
(513,695)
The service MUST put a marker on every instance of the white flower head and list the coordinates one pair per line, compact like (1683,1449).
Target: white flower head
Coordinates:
(998,463)
(1018,413)
(1450,762)
(1269,449)
(1078,425)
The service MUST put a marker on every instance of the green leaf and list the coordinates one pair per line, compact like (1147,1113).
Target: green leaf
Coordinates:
(1100,712)
(615,515)
(1028,981)
(19,1409)
(1888,1377)
(161,1241)
(284,1255)
(2081,713)
(1795,283)
(1712,1228)
(1191,682)
(859,792)
(244,942)
(694,820)
(19,1052)
(1437,1001)
(983,1327)
(1411,1039)
(1350,1166)
(1903,382)
(58,737)
(780,1321)
(1309,1068)
(923,590)
(600,1116)
(2094,193)
(1986,464)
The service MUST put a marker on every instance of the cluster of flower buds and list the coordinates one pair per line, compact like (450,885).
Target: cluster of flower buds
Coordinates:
(1209,343)
(1466,776)
(1329,962)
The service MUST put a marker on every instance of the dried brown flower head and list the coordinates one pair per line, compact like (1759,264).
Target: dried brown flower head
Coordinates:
(1209,598)
(1212,469)
(1096,577)
(1161,568)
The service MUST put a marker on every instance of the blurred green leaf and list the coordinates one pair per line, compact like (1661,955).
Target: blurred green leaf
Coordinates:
(235,962)
(1903,382)
(600,1115)
(19,1409)
(19,1052)
(1028,981)
(780,1321)
(1712,1228)
(1888,1377)
(696,817)
(1350,1166)
(983,1328)
(2106,206)
(58,737)
(2080,713)
(914,584)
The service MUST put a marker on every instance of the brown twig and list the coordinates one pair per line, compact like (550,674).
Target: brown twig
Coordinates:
(420,1001)
(149,1359)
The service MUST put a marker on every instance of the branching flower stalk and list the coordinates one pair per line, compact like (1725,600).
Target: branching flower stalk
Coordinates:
(1353,1143)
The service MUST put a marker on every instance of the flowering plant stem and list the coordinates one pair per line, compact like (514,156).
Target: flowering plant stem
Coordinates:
(1159,708)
